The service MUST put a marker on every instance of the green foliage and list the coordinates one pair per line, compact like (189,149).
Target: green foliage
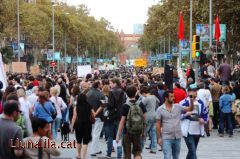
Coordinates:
(78,26)
(164,17)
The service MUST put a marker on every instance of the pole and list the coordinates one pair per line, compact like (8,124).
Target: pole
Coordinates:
(190,53)
(169,43)
(18,25)
(210,24)
(53,40)
(180,55)
(65,52)
(164,51)
(77,51)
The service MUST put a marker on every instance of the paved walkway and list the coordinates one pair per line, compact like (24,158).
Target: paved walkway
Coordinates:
(212,147)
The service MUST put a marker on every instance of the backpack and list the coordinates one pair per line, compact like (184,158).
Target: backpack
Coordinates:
(22,123)
(135,119)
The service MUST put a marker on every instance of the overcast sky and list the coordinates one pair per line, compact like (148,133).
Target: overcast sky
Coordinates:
(121,13)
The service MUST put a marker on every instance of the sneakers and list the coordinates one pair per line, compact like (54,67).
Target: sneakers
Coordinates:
(108,156)
(230,136)
(221,135)
(152,152)
(95,154)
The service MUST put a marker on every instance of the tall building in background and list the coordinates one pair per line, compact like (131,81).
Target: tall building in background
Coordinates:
(138,28)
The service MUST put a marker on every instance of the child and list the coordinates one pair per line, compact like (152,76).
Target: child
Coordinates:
(225,105)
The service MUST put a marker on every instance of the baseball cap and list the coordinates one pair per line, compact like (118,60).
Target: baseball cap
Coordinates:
(193,87)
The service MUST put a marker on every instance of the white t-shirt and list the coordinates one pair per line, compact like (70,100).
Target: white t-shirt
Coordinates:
(60,105)
(32,99)
(205,96)
(25,105)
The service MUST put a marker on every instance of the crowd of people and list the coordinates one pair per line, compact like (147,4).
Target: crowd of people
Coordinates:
(127,106)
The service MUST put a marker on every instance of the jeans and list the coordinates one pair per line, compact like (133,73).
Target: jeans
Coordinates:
(55,126)
(97,128)
(225,117)
(111,132)
(151,126)
(192,143)
(65,115)
(171,148)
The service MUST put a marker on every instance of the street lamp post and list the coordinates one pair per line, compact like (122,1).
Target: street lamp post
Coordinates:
(77,51)
(65,49)
(18,25)
(191,36)
(53,40)
(210,23)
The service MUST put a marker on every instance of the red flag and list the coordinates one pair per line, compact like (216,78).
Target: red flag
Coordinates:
(181,27)
(217,33)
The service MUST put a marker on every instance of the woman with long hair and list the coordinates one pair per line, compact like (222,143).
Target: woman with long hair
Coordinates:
(82,124)
(25,107)
(60,106)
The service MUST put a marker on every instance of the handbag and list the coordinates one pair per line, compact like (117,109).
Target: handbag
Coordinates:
(53,114)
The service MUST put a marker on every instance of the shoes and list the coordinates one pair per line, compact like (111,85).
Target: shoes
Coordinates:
(152,152)
(108,156)
(148,148)
(221,135)
(100,152)
(93,155)
(208,134)
(160,149)
(230,136)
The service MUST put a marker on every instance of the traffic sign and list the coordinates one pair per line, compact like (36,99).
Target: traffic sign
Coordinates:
(53,64)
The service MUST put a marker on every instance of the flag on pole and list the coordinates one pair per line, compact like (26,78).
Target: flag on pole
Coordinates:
(217,33)
(181,28)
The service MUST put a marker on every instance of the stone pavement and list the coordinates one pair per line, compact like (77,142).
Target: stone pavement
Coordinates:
(212,147)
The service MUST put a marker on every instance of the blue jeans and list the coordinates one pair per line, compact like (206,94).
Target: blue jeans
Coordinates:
(192,143)
(171,148)
(55,126)
(151,126)
(65,115)
(111,132)
(225,117)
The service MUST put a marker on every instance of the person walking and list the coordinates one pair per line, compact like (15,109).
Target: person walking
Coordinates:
(192,123)
(9,131)
(94,97)
(82,125)
(132,125)
(41,134)
(151,102)
(169,134)
(115,101)
(60,106)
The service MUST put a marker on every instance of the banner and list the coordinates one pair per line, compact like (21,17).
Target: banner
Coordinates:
(158,70)
(83,70)
(35,70)
(19,67)
(203,31)
(57,56)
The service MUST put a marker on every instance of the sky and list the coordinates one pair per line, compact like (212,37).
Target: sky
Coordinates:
(122,14)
